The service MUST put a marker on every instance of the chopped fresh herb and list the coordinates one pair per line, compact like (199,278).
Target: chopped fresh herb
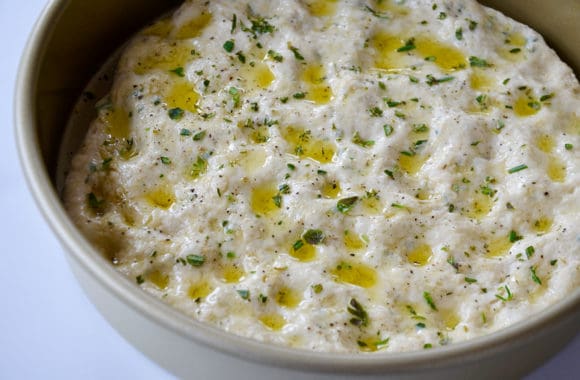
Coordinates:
(535,105)
(478,62)
(317,288)
(518,168)
(298,244)
(277,200)
(543,98)
(275,56)
(568,146)
(284,189)
(421,325)
(356,139)
(376,13)
(513,236)
(241,56)
(553,262)
(245,294)
(185,132)
(262,298)
(431,80)
(313,237)
(451,207)
(535,277)
(427,346)
(360,317)
(420,128)
(470,280)
(345,204)
(376,111)
(413,79)
(321,172)
(291,166)
(442,16)
(231,255)
(409,45)
(429,300)
(388,129)
(299,95)
(515,50)
(140,279)
(234,23)
(229,45)
(399,114)
(530,251)
(382,85)
(178,71)
(198,167)
(392,103)
(459,33)
(431,58)
(165,160)
(195,260)
(296,52)
(94,203)
(175,113)
(451,261)
(509,296)
(235,93)
(199,136)
(389,173)
(472,25)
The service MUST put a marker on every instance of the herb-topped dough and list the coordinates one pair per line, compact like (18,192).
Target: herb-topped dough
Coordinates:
(338,175)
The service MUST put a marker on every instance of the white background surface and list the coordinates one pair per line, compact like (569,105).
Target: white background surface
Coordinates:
(48,328)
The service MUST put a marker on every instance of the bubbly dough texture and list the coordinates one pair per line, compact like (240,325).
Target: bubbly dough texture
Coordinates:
(338,176)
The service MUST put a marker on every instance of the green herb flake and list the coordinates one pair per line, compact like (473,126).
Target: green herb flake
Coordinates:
(553,262)
(472,25)
(478,62)
(377,14)
(546,97)
(530,251)
(513,236)
(199,136)
(198,167)
(236,96)
(298,244)
(296,52)
(568,146)
(140,279)
(245,294)
(317,288)
(459,33)
(229,45)
(376,111)
(344,205)
(390,174)
(517,168)
(185,132)
(277,200)
(234,23)
(263,298)
(165,160)
(275,56)
(426,346)
(388,129)
(432,81)
(94,203)
(427,297)
(356,139)
(442,16)
(515,50)
(313,237)
(299,95)
(175,113)
(470,280)
(178,71)
(360,317)
(195,260)
(508,297)
(409,45)
(535,277)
